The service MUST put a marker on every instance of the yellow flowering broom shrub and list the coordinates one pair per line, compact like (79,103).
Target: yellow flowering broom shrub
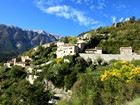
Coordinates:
(121,70)
(59,60)
(120,83)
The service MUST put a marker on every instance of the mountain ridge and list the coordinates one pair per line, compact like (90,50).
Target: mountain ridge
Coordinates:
(15,40)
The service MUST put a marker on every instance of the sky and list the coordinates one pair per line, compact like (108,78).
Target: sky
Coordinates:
(66,17)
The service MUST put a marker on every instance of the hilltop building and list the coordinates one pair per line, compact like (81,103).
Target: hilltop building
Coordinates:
(127,19)
(22,61)
(126,51)
(64,49)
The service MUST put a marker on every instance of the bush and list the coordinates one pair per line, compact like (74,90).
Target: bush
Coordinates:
(120,83)
(99,60)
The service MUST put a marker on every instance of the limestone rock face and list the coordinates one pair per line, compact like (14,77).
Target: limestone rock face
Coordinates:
(14,40)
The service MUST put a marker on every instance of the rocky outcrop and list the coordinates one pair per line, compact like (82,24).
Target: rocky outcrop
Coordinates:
(14,40)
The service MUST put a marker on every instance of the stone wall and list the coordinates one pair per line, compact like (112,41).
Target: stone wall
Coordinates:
(108,57)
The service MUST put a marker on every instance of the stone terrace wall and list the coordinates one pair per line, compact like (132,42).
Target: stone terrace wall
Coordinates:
(108,57)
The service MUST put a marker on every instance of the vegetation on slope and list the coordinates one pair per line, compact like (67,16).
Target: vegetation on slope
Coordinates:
(42,55)
(121,34)
(69,39)
(92,83)
(16,90)
(116,86)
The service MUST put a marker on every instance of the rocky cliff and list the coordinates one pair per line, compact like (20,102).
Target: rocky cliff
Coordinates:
(15,40)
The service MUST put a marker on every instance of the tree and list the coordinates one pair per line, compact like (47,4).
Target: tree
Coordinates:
(23,93)
(17,72)
(16,90)
(99,60)
(64,39)
(89,91)
(139,20)
(133,19)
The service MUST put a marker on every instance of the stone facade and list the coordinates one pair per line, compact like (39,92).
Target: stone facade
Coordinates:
(126,51)
(69,49)
(22,61)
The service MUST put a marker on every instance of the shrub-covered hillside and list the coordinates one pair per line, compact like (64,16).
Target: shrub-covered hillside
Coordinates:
(91,83)
(111,38)
(119,84)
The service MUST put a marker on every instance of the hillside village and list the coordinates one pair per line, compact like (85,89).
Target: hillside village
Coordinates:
(64,49)
(64,67)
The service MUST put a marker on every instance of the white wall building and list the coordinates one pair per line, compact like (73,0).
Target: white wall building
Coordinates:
(69,49)
(126,51)
(127,19)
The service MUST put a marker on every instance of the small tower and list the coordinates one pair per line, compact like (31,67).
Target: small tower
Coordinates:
(81,44)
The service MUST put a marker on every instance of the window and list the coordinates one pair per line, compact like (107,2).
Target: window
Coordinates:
(70,51)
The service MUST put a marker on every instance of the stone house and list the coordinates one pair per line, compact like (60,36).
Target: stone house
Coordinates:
(22,61)
(22,64)
(127,19)
(69,49)
(126,51)
(25,58)
(9,63)
(66,49)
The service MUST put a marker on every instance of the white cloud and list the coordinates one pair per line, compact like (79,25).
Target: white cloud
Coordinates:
(101,4)
(87,2)
(62,11)
(67,12)
(92,7)
(48,2)
(105,15)
(121,6)
(79,2)
(57,9)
